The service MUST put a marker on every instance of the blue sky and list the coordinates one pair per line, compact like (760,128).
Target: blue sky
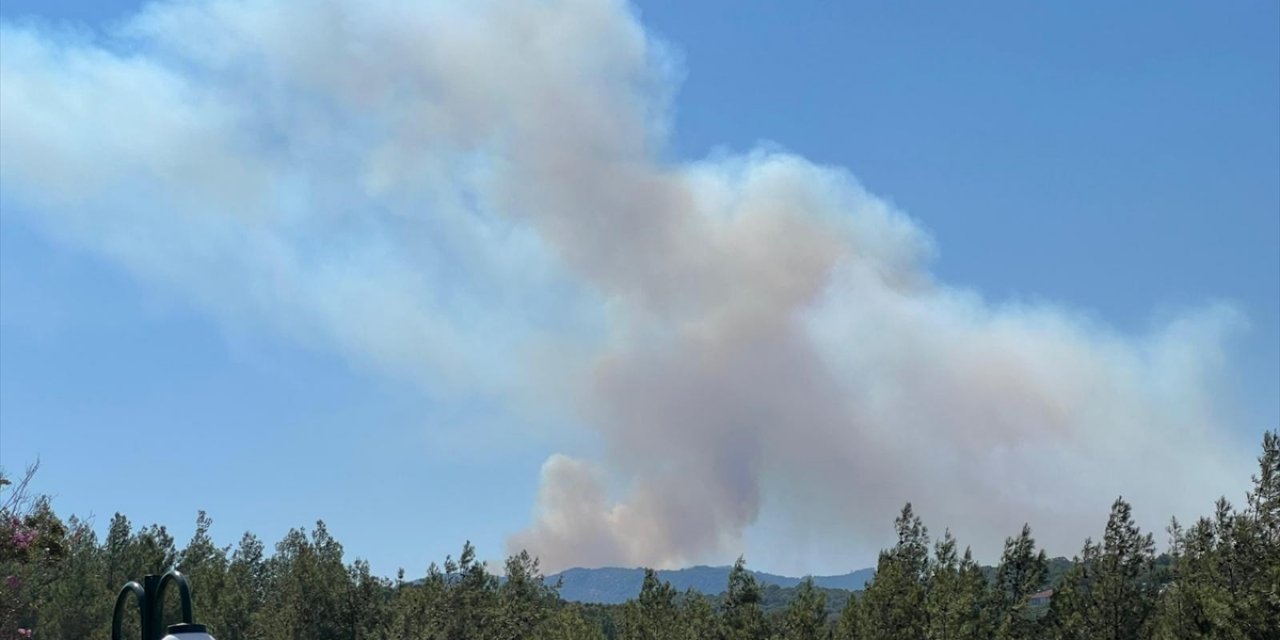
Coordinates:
(1122,162)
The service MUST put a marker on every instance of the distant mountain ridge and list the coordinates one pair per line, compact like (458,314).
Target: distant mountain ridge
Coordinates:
(614,585)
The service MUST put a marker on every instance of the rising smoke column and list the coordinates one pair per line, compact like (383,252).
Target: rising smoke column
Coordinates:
(431,189)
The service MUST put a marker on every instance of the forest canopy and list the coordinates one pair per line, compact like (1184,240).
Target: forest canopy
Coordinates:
(1218,577)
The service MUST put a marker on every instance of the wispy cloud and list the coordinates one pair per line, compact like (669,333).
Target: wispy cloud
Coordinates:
(465,193)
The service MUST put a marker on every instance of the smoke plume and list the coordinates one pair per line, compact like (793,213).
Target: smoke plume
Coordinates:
(462,192)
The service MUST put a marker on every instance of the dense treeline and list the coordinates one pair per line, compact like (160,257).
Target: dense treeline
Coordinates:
(1220,579)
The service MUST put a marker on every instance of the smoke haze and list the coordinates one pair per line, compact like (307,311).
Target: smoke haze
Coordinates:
(464,193)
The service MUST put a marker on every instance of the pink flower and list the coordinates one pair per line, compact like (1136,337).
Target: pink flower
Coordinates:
(13,582)
(25,633)
(23,538)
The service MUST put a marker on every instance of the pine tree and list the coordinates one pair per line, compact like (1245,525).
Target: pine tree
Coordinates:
(849,624)
(1256,545)
(1186,608)
(1071,612)
(974,621)
(567,624)
(239,611)
(652,615)
(117,550)
(1124,594)
(955,594)
(1226,575)
(697,619)
(1021,573)
(524,599)
(205,565)
(1264,499)
(942,594)
(894,601)
(308,595)
(743,618)
(72,601)
(806,616)
(469,608)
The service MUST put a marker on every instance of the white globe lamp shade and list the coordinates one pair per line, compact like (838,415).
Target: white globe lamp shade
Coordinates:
(188,632)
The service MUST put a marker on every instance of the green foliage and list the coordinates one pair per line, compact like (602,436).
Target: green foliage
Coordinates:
(652,615)
(1111,593)
(525,600)
(567,624)
(1225,574)
(1021,573)
(697,618)
(849,625)
(743,617)
(806,618)
(1069,612)
(956,595)
(891,608)
(73,603)
(247,583)
(1125,591)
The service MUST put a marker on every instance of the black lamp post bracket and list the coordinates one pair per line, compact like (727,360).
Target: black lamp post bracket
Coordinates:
(150,598)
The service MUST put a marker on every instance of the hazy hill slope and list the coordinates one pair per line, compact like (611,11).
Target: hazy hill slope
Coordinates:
(612,585)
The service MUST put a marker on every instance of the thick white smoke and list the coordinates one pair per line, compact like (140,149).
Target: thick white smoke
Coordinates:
(435,189)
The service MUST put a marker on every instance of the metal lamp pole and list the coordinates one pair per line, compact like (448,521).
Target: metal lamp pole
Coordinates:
(150,598)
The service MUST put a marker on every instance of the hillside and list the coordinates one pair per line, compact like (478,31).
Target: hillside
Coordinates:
(612,585)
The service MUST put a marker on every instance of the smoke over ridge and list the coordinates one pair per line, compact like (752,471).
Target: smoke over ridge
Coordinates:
(431,190)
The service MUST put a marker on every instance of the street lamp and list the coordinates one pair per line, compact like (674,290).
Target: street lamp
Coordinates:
(150,597)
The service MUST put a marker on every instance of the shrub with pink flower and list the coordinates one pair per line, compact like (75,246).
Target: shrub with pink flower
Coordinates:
(23,537)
